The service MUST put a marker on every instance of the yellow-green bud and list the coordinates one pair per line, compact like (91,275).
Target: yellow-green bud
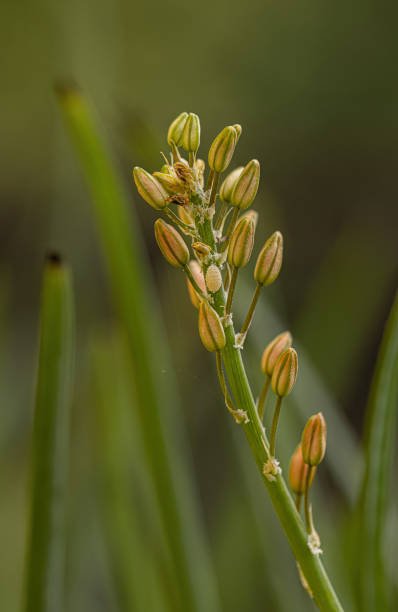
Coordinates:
(184,215)
(176,129)
(313,440)
(298,472)
(269,261)
(238,130)
(150,189)
(274,350)
(228,184)
(211,330)
(284,373)
(213,278)
(202,250)
(197,273)
(171,244)
(241,244)
(169,182)
(190,138)
(222,149)
(246,186)
(165,169)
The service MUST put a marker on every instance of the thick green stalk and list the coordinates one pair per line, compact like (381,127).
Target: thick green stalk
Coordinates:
(379,443)
(311,565)
(45,559)
(157,405)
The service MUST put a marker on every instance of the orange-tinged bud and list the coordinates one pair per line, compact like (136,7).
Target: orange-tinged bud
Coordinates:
(150,189)
(211,330)
(269,261)
(169,182)
(241,244)
(245,189)
(274,350)
(176,129)
(228,184)
(298,472)
(184,215)
(171,244)
(190,138)
(285,373)
(313,440)
(197,273)
(250,214)
(222,149)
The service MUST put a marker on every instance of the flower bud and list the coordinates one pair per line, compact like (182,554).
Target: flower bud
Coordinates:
(241,244)
(197,273)
(274,350)
(213,278)
(171,244)
(190,138)
(202,250)
(150,189)
(250,214)
(284,373)
(211,330)
(176,129)
(298,472)
(246,186)
(228,184)
(238,130)
(185,215)
(313,440)
(222,149)
(169,182)
(269,261)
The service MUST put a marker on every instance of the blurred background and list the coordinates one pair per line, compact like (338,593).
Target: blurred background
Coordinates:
(312,85)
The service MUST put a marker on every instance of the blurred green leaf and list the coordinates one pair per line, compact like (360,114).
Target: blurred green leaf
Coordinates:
(380,431)
(44,586)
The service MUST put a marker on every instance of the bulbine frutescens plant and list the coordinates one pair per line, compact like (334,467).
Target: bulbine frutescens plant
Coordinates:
(221,243)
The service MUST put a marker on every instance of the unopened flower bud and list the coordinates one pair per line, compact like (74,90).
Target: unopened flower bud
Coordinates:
(213,278)
(274,350)
(169,182)
(250,214)
(222,149)
(246,186)
(184,215)
(176,129)
(228,184)
(211,330)
(313,440)
(241,244)
(238,130)
(298,472)
(285,373)
(150,189)
(202,250)
(197,273)
(190,138)
(171,244)
(269,261)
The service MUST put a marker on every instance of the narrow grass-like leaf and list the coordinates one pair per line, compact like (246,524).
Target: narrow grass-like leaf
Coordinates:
(381,418)
(157,405)
(44,582)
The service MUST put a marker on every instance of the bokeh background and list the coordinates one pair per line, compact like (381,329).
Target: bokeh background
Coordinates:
(313,85)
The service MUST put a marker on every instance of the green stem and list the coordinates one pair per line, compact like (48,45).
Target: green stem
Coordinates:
(187,229)
(209,180)
(274,426)
(231,227)
(306,500)
(298,501)
(263,396)
(214,185)
(220,215)
(231,290)
(191,157)
(251,310)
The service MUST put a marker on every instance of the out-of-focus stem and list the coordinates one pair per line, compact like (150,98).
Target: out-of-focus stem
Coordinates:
(274,426)
(231,290)
(263,396)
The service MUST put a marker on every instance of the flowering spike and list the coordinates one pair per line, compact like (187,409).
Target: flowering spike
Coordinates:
(211,330)
(196,271)
(285,373)
(222,149)
(190,138)
(176,129)
(150,189)
(269,261)
(313,441)
(241,244)
(273,351)
(171,244)
(228,185)
(298,472)
(246,186)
